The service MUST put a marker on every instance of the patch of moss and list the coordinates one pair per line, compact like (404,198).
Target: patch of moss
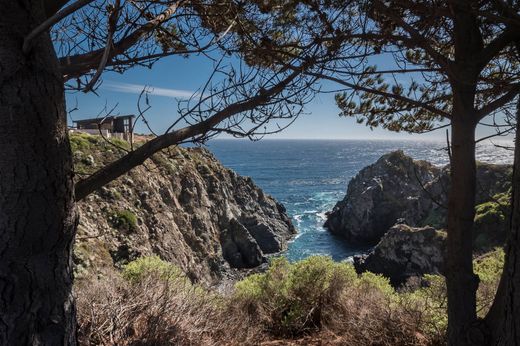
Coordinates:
(165,162)
(496,209)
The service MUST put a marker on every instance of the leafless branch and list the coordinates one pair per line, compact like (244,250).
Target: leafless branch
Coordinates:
(47,24)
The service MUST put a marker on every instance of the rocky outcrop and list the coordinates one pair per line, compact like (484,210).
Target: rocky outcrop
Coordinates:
(398,188)
(181,205)
(404,252)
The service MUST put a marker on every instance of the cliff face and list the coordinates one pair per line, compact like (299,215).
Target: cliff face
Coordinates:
(404,252)
(379,195)
(398,189)
(183,206)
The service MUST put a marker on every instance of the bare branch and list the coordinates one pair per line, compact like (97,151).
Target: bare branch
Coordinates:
(77,65)
(47,24)
(112,21)
(139,155)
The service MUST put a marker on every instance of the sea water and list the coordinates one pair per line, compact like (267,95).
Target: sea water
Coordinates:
(310,176)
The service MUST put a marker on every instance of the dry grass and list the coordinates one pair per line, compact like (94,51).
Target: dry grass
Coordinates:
(155,311)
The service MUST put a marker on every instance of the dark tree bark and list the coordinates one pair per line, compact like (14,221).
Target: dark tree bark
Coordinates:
(37,217)
(461,282)
(503,318)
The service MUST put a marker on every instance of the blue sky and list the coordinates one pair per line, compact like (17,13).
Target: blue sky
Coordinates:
(177,77)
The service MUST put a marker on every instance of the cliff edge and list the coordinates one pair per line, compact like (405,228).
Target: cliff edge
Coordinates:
(181,205)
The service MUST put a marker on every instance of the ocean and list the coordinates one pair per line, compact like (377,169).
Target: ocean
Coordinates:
(310,176)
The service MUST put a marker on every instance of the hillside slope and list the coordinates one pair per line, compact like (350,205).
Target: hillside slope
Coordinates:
(183,206)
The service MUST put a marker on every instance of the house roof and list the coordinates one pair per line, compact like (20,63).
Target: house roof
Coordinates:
(103,120)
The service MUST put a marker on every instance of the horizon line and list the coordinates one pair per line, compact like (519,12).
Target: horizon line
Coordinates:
(349,139)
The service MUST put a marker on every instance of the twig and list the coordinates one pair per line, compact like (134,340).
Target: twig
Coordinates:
(47,24)
(448,144)
(112,21)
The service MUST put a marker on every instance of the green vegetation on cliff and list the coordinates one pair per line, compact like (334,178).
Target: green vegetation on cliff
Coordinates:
(492,222)
(142,267)
(124,219)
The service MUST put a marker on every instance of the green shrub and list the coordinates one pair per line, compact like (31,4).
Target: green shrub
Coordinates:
(124,219)
(120,143)
(294,297)
(316,293)
(491,222)
(81,142)
(430,301)
(374,282)
(432,298)
(142,267)
(489,269)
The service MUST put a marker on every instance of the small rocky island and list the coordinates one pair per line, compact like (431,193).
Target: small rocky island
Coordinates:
(399,205)
(181,205)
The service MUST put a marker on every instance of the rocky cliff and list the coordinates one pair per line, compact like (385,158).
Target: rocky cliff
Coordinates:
(181,205)
(398,188)
(404,252)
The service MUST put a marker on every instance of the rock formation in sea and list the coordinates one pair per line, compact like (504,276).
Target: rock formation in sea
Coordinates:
(181,205)
(405,252)
(399,189)
(399,205)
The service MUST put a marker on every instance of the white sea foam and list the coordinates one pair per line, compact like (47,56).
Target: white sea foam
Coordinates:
(322,216)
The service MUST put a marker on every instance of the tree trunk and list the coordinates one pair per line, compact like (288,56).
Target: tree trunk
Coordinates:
(461,282)
(503,318)
(37,217)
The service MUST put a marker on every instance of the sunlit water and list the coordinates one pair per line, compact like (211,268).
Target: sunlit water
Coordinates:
(310,176)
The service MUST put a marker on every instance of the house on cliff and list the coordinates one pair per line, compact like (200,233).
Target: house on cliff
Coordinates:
(121,127)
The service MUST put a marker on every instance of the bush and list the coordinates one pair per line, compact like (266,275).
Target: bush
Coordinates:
(489,269)
(124,219)
(320,297)
(82,141)
(142,267)
(429,303)
(152,311)
(293,296)
(316,301)
(431,299)
(151,302)
(491,222)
